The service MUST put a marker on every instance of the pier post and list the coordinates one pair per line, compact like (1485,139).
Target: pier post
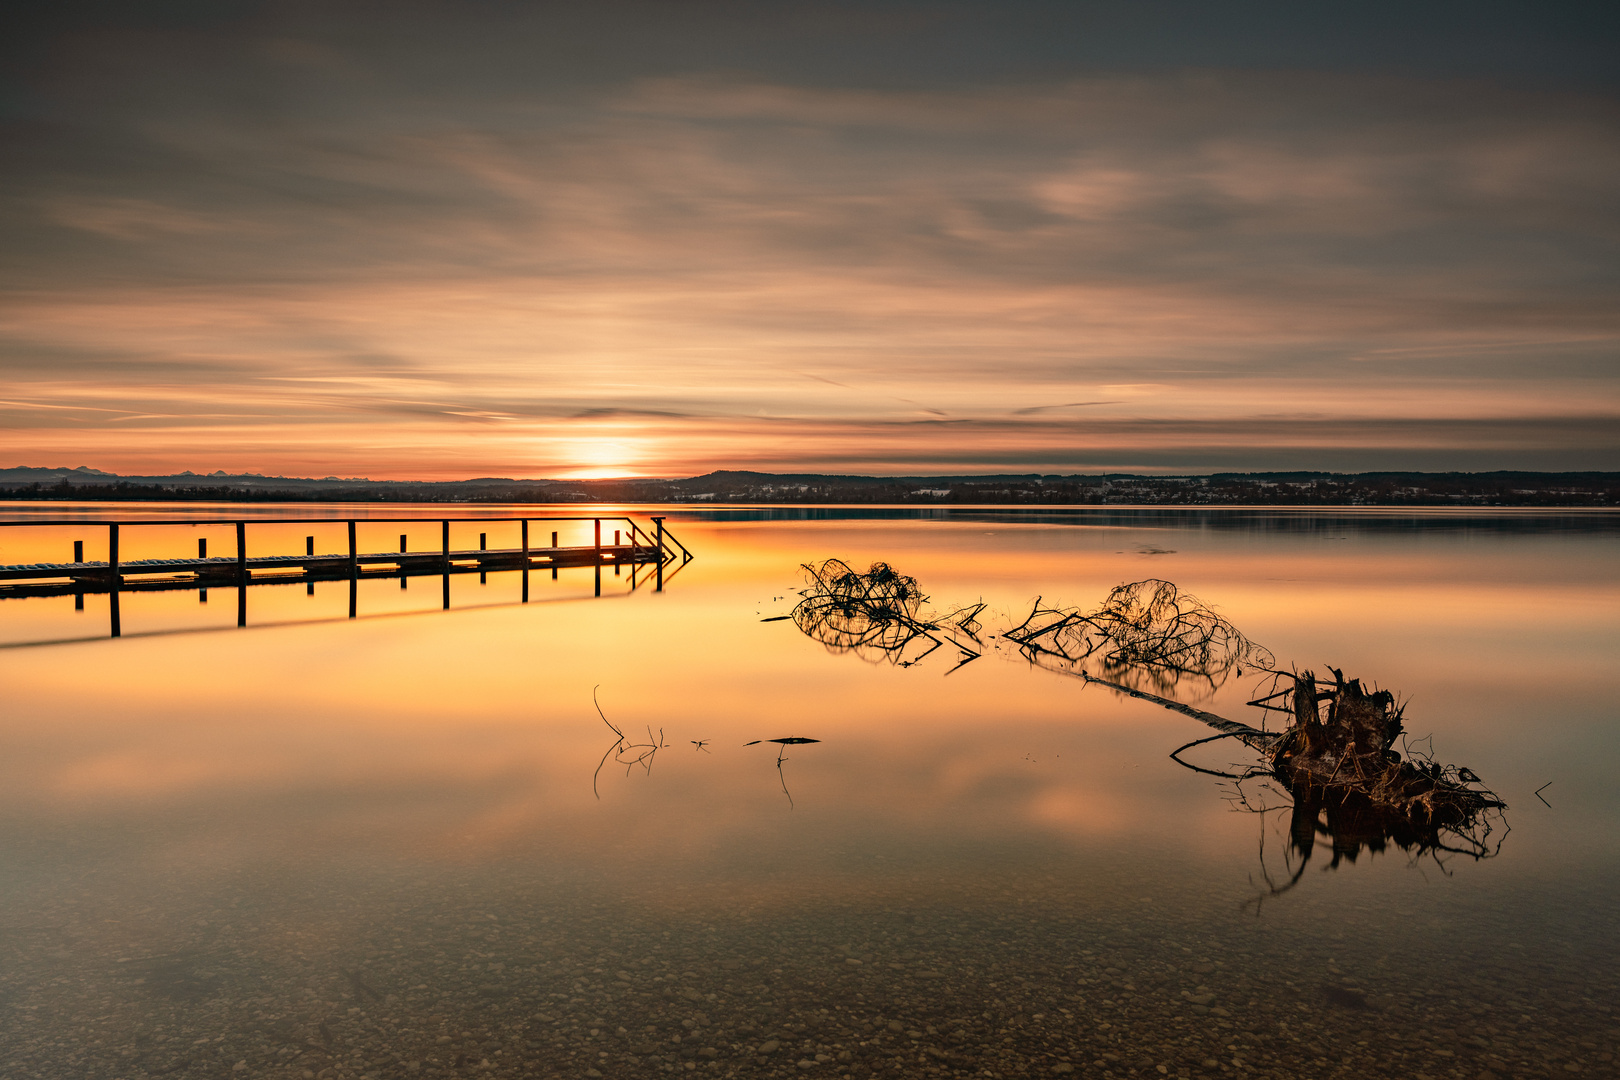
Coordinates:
(554,541)
(202,547)
(241,573)
(659,553)
(483,546)
(113,580)
(309,547)
(354,595)
(78,551)
(447,591)
(598,556)
(78,597)
(446,545)
(402,543)
(525,560)
(354,553)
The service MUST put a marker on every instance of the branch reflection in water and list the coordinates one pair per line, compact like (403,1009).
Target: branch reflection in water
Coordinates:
(1337,769)
(623,752)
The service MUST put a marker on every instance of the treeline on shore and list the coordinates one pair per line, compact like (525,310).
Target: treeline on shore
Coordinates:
(1589,489)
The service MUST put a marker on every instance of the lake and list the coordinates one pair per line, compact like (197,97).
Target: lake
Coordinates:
(409,844)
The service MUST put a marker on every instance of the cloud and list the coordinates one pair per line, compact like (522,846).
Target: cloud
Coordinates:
(308,245)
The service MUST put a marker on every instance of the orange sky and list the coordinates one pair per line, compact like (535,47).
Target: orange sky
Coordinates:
(291,244)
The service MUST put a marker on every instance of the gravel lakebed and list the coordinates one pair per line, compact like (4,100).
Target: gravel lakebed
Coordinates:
(456,980)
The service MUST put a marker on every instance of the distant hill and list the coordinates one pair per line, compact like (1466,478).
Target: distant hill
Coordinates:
(85,483)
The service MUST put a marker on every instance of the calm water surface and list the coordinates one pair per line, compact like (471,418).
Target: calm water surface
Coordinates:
(324,848)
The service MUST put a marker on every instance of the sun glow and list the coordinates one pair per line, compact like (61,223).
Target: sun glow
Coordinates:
(601,459)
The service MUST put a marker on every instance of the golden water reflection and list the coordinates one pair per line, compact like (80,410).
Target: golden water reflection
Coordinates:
(470,737)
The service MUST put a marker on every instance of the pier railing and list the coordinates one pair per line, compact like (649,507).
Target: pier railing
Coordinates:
(632,546)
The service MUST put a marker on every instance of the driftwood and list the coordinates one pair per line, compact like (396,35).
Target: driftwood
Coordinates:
(1254,737)
(1343,757)
(1344,777)
(1350,747)
(1336,759)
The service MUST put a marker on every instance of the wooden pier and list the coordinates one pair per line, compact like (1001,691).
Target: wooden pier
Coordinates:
(639,549)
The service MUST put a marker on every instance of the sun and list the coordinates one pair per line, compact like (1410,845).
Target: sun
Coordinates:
(599,459)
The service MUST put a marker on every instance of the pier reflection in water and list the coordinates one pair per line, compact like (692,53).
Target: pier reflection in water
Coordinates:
(374,848)
(648,552)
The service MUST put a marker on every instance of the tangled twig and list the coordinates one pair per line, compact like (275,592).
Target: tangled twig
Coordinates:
(879,615)
(1147,634)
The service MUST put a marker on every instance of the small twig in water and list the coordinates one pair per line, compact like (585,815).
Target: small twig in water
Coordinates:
(619,748)
(781,756)
(1538,792)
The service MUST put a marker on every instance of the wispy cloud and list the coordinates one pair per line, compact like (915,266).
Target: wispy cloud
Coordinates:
(1035,409)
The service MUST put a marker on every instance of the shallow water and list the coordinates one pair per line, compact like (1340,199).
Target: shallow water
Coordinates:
(382,847)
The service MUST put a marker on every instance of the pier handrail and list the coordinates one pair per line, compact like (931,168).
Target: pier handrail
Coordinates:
(671,538)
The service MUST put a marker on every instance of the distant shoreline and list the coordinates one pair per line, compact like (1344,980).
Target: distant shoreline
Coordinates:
(1387,489)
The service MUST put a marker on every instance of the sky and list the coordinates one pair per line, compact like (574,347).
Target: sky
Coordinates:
(445,240)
